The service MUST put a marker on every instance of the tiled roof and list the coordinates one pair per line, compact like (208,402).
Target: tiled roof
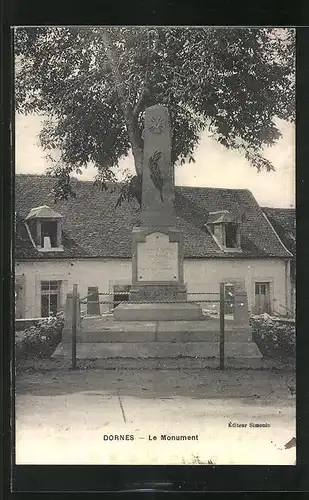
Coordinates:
(23,246)
(94,227)
(284,222)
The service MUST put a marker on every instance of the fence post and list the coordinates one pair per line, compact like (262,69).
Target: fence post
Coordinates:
(241,313)
(74,325)
(221,346)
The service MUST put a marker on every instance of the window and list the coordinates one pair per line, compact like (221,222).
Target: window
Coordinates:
(231,236)
(44,225)
(225,229)
(50,298)
(49,230)
(218,233)
(262,297)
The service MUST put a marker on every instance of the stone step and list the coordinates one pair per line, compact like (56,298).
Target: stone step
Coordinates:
(99,324)
(159,350)
(154,311)
(151,335)
(116,336)
(203,336)
(59,362)
(206,325)
(107,322)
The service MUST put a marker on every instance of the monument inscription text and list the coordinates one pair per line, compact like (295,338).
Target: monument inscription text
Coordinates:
(157,258)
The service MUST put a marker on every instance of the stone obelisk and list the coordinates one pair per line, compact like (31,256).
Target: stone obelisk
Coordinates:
(158,172)
(158,290)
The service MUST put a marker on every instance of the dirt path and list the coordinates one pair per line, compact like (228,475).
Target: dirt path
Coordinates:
(63,416)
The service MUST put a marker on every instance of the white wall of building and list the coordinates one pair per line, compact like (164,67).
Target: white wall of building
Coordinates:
(203,275)
(200,275)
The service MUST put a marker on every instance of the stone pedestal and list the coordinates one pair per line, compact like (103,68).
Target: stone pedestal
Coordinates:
(158,291)
(157,265)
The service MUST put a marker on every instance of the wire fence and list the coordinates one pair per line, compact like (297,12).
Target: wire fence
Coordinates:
(210,302)
(85,300)
(225,303)
(113,300)
(76,311)
(227,300)
(147,301)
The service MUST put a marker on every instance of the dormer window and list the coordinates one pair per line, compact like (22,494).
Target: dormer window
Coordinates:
(49,234)
(231,235)
(44,225)
(225,230)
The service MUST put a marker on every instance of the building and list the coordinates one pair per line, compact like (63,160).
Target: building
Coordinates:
(87,240)
(283,221)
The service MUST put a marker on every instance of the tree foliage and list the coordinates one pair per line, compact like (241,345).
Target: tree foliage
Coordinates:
(94,84)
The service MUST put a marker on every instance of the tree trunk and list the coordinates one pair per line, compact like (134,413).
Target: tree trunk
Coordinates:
(136,149)
(124,102)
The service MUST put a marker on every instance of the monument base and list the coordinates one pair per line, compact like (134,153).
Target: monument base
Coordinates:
(158,292)
(183,311)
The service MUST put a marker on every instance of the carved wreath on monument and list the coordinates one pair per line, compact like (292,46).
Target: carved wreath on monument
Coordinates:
(156,124)
(155,172)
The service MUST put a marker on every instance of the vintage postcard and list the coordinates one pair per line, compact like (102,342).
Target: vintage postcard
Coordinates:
(154,245)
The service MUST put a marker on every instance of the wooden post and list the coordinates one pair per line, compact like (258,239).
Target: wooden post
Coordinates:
(74,324)
(222,307)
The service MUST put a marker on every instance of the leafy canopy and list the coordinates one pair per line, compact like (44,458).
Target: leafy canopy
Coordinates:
(94,84)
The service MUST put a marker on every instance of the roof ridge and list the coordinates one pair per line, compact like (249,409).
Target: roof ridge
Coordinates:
(278,208)
(214,188)
(75,179)
(44,176)
(275,232)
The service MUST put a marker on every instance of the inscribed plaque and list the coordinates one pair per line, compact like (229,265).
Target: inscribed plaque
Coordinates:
(157,258)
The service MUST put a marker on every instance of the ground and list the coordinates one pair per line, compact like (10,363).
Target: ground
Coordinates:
(63,415)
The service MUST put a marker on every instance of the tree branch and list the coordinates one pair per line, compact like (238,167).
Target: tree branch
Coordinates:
(124,101)
(114,67)
(139,105)
(144,92)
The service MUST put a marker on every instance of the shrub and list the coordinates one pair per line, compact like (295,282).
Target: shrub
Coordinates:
(274,337)
(39,340)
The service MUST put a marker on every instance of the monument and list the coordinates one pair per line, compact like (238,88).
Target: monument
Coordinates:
(158,290)
(143,327)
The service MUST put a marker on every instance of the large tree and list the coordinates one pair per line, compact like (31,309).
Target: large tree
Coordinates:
(94,84)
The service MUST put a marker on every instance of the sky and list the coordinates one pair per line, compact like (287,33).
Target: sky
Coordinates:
(214,167)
